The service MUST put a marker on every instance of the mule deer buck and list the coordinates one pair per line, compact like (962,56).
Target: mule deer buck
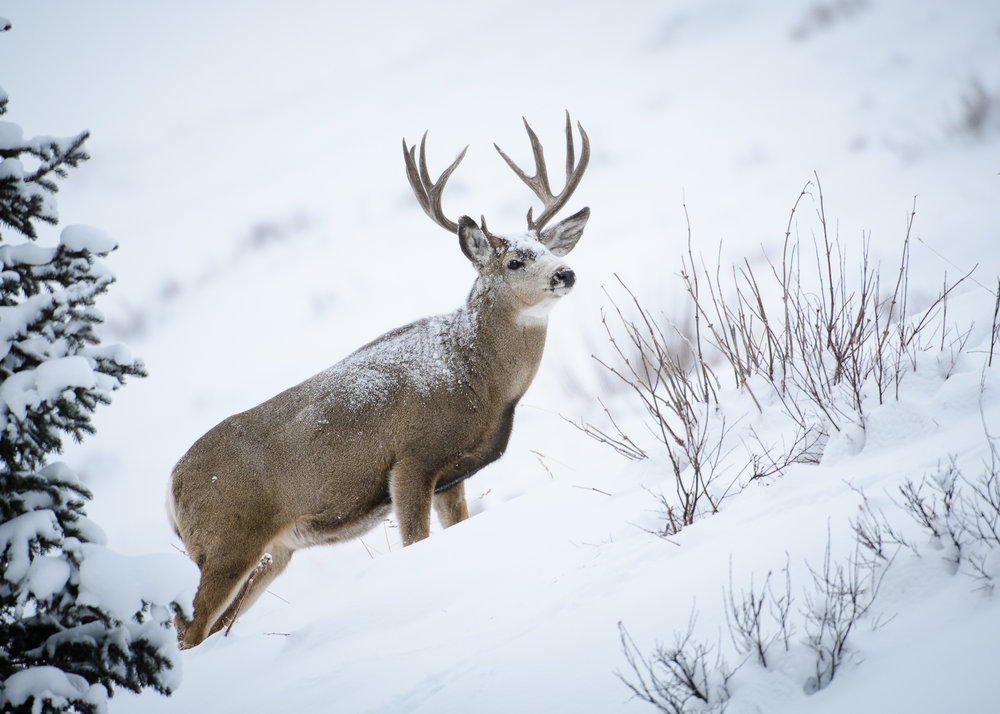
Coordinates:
(400,423)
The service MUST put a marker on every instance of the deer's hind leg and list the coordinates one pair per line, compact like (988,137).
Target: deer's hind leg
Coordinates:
(451,506)
(223,575)
(271,564)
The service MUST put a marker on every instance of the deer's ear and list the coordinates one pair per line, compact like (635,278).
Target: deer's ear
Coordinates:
(474,242)
(562,237)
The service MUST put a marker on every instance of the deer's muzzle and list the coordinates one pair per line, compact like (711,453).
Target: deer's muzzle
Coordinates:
(564,278)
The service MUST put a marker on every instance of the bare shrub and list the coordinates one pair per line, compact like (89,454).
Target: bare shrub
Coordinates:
(841,595)
(692,676)
(818,336)
(878,539)
(936,505)
(827,336)
(679,392)
(681,679)
(995,333)
(614,437)
(757,619)
(982,505)
(771,459)
(960,513)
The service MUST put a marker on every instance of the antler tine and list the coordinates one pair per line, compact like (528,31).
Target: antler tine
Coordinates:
(570,149)
(429,192)
(539,183)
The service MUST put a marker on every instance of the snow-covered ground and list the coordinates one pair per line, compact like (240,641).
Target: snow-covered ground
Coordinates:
(246,156)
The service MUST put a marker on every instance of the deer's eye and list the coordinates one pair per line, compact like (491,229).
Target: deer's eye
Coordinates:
(515,264)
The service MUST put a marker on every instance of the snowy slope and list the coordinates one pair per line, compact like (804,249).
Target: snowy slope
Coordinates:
(247,159)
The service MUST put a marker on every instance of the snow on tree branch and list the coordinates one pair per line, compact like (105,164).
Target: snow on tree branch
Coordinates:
(76,620)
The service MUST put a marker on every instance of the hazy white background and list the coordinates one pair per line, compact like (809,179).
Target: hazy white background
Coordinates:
(247,157)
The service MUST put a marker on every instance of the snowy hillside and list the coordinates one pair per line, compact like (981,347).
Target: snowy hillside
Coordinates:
(246,157)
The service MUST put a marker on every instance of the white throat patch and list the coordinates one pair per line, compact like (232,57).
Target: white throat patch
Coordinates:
(537,314)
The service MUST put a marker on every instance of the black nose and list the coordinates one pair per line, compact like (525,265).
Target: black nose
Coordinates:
(567,277)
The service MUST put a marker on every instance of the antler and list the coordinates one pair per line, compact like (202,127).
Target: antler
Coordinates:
(428,193)
(539,183)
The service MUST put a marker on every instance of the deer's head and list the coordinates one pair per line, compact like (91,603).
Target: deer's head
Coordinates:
(525,271)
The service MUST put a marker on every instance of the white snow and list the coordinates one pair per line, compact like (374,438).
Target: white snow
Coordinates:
(11,135)
(14,319)
(723,107)
(54,687)
(80,238)
(11,169)
(25,254)
(47,576)
(15,535)
(120,583)
(52,379)
(55,376)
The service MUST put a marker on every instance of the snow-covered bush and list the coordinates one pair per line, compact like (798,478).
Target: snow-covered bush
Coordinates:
(75,619)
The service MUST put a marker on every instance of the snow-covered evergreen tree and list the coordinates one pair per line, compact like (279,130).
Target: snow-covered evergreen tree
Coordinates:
(75,620)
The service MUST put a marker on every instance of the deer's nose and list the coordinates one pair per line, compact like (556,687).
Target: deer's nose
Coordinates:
(565,276)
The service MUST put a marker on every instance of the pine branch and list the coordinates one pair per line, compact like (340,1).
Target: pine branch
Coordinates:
(55,157)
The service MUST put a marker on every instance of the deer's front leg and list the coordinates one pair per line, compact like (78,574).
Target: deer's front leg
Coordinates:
(411,492)
(451,505)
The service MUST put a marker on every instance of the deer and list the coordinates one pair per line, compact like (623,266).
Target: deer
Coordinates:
(398,425)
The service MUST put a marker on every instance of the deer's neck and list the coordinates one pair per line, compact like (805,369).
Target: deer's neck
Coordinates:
(505,347)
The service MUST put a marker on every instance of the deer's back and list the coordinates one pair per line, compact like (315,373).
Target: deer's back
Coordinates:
(324,447)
